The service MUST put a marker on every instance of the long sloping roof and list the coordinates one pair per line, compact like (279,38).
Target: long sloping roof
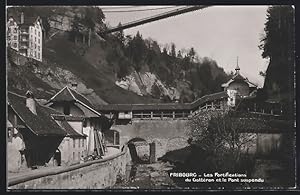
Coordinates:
(163,106)
(41,124)
(62,121)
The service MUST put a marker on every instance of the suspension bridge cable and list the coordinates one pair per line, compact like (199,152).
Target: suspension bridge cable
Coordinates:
(156,17)
(119,7)
(137,10)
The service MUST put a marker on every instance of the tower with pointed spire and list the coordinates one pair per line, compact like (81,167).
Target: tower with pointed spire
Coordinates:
(238,86)
(237,68)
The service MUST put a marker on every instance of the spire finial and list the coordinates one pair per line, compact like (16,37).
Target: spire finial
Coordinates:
(237,64)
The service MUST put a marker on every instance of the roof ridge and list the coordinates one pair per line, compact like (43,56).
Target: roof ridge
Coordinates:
(56,94)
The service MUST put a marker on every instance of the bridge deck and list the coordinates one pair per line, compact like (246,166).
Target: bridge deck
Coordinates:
(163,106)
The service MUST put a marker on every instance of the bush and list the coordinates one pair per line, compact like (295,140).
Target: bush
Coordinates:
(217,137)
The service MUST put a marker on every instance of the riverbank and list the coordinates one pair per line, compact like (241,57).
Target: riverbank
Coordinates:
(148,176)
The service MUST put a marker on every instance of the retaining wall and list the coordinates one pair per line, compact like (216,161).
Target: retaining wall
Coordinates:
(167,134)
(97,174)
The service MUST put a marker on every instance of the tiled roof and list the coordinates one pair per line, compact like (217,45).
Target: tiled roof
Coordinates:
(238,77)
(162,106)
(41,124)
(68,94)
(81,98)
(62,121)
(28,20)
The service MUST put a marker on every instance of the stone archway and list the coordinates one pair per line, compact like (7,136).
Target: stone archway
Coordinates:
(139,150)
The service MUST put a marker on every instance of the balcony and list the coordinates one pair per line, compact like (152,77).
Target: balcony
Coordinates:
(23,47)
(24,40)
(24,32)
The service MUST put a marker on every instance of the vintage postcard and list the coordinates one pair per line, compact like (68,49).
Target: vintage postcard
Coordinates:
(142,97)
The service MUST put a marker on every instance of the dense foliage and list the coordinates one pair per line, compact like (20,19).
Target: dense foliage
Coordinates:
(217,136)
(277,45)
(201,75)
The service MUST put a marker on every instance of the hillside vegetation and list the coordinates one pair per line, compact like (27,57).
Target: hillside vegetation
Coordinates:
(154,73)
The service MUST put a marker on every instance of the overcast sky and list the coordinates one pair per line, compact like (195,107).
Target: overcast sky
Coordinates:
(219,32)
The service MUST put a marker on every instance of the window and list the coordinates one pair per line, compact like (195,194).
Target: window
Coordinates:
(9,134)
(38,40)
(39,34)
(79,142)
(67,109)
(78,155)
(35,39)
(15,45)
(38,47)
(83,142)
(73,155)
(15,37)
(74,143)
(38,56)
(34,46)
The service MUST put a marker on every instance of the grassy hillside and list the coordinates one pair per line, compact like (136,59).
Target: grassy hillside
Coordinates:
(96,76)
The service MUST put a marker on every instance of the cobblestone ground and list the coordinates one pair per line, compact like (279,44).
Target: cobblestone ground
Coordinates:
(149,176)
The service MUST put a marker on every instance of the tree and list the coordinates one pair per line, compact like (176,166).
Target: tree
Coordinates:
(218,135)
(120,35)
(179,55)
(191,54)
(165,51)
(173,50)
(278,46)
(75,28)
(137,51)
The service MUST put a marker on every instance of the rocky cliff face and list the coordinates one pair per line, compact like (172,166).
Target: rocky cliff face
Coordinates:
(147,84)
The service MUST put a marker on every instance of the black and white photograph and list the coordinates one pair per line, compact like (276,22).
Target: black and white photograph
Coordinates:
(150,97)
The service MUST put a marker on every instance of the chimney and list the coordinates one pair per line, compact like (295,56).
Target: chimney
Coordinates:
(30,102)
(74,86)
(22,18)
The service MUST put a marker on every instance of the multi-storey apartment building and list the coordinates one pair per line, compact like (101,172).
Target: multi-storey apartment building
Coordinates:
(13,34)
(30,36)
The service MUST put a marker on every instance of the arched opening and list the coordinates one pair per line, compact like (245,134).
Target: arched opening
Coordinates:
(139,150)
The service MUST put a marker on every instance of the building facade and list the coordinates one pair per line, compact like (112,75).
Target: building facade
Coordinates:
(238,87)
(73,147)
(26,36)
(33,135)
(71,103)
(12,34)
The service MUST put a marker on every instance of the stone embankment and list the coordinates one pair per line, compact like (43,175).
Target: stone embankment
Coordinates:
(95,174)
